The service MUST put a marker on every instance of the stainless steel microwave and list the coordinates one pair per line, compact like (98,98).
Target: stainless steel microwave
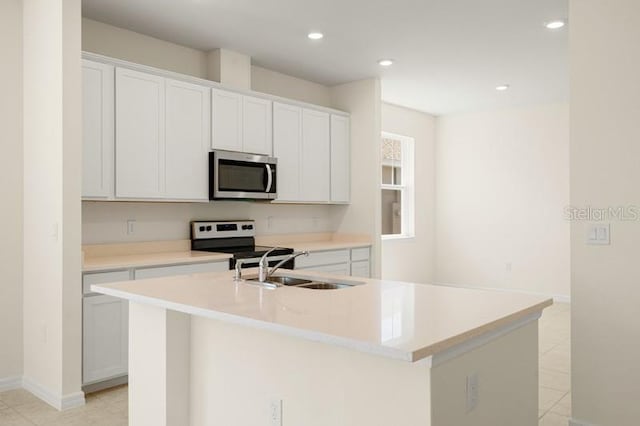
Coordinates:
(237,175)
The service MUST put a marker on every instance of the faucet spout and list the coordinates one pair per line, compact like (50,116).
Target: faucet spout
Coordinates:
(285,260)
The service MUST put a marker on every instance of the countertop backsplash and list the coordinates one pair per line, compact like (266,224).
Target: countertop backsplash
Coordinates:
(107,222)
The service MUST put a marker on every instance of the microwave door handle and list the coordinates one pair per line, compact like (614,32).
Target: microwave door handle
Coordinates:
(269,177)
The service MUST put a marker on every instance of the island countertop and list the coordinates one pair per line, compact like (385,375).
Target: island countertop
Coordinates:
(404,321)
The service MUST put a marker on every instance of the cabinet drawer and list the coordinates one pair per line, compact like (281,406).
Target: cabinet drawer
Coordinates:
(361,269)
(323,258)
(103,277)
(339,269)
(168,271)
(358,254)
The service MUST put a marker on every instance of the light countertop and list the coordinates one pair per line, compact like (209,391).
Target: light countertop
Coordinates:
(105,257)
(103,263)
(403,321)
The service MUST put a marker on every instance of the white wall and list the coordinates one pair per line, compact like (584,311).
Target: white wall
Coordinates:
(362,99)
(108,40)
(275,83)
(106,222)
(502,184)
(605,172)
(52,145)
(11,189)
(413,259)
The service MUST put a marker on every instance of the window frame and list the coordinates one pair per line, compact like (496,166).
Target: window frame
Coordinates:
(406,188)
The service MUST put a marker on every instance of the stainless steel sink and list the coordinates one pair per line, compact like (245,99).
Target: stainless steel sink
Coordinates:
(325,286)
(288,280)
(300,282)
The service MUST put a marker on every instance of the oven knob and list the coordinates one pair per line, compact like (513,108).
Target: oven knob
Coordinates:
(202,229)
(209,228)
(249,226)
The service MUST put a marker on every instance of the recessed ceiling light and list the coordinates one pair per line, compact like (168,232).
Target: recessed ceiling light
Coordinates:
(502,87)
(385,62)
(555,25)
(315,36)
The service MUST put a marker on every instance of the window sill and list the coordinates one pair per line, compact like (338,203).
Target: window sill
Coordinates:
(397,237)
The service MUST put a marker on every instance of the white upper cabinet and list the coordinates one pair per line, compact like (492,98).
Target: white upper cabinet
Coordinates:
(242,123)
(97,129)
(257,132)
(188,136)
(340,159)
(227,120)
(315,164)
(287,143)
(140,149)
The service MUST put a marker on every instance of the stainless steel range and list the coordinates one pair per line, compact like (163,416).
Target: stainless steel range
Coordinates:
(238,238)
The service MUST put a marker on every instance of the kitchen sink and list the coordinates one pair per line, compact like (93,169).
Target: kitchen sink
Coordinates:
(325,286)
(288,280)
(312,284)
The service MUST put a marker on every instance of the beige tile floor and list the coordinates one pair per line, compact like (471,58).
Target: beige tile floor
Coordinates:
(109,408)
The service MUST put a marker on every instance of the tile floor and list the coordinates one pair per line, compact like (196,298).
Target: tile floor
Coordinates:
(109,408)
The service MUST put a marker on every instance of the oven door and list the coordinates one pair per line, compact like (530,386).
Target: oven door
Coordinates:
(239,175)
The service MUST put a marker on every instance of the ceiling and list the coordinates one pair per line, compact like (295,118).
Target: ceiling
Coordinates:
(449,54)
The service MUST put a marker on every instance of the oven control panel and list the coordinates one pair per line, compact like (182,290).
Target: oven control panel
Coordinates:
(222,229)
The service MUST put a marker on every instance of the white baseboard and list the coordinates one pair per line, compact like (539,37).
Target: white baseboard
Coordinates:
(10,383)
(59,402)
(560,298)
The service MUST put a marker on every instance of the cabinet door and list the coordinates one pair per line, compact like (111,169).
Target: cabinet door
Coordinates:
(287,140)
(361,269)
(227,120)
(257,126)
(104,338)
(97,129)
(338,269)
(187,136)
(140,149)
(340,160)
(315,167)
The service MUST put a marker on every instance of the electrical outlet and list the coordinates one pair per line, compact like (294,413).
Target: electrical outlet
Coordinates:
(275,412)
(472,391)
(131,227)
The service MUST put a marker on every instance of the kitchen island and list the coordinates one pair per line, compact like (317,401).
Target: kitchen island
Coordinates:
(207,350)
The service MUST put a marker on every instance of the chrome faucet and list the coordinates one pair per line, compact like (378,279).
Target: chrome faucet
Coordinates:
(263,266)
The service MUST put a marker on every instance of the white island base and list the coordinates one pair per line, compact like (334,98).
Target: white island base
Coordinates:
(186,369)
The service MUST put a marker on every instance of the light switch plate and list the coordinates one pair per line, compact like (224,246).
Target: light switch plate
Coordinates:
(599,234)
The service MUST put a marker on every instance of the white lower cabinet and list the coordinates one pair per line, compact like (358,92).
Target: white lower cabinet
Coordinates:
(361,269)
(354,262)
(105,321)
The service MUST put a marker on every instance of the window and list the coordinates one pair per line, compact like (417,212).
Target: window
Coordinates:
(397,190)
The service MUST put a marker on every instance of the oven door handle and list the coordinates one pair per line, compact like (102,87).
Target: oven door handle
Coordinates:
(269,177)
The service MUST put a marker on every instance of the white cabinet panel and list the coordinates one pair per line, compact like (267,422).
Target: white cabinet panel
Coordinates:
(188,134)
(168,271)
(287,140)
(257,131)
(140,148)
(340,159)
(315,167)
(361,269)
(97,129)
(360,254)
(339,269)
(104,338)
(323,258)
(227,120)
